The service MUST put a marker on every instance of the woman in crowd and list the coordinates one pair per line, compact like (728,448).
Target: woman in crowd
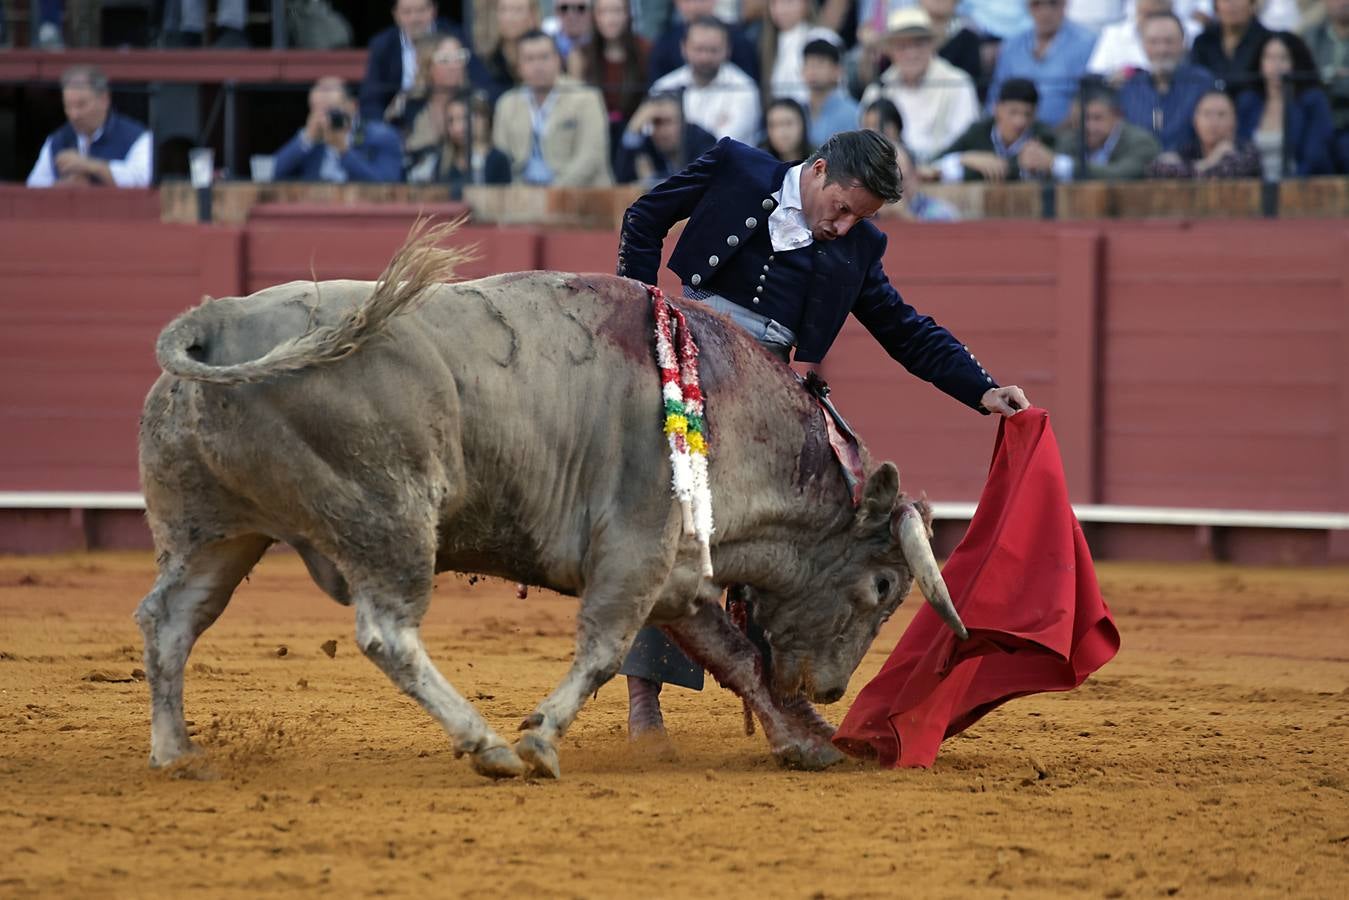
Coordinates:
(1288,114)
(442,70)
(788,26)
(883,116)
(615,62)
(513,18)
(785,130)
(1217,153)
(451,156)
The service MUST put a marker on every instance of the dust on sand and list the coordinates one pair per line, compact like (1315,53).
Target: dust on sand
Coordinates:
(1209,759)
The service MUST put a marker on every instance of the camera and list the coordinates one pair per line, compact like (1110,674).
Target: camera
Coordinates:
(338,120)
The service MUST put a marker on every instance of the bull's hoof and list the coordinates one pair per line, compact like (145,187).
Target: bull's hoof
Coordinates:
(499,762)
(164,757)
(810,758)
(540,755)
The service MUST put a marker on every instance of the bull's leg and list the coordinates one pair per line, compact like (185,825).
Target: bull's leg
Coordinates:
(190,593)
(389,612)
(797,736)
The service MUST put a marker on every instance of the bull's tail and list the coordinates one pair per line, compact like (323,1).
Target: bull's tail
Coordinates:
(418,265)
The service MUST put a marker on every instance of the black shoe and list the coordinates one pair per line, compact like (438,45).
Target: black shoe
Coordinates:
(231,39)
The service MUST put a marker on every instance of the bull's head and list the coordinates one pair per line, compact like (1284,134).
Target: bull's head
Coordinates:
(848,585)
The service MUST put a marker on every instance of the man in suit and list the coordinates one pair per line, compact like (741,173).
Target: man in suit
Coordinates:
(391,62)
(1116,149)
(554,129)
(787,252)
(1162,97)
(336,144)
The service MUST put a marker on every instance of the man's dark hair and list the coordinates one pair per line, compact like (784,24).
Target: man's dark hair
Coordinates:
(888,114)
(1101,93)
(710,22)
(1020,90)
(1167,15)
(863,158)
(821,47)
(535,34)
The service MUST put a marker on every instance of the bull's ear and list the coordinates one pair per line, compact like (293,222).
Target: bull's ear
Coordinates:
(878,498)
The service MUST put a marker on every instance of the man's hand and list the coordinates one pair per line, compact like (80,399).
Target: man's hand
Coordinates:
(316,125)
(1005,401)
(989,165)
(69,162)
(1036,157)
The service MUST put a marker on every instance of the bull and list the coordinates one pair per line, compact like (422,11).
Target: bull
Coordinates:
(508,426)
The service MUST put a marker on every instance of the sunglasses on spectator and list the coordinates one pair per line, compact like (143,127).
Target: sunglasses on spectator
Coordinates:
(564,8)
(445,57)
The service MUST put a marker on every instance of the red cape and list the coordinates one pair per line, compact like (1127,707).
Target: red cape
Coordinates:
(1023,582)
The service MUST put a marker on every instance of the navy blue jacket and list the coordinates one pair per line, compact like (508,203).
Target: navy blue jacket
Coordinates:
(114,142)
(1307,128)
(384,69)
(375,154)
(1170,116)
(726,194)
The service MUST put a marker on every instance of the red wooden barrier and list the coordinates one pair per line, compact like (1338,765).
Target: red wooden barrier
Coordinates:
(83,204)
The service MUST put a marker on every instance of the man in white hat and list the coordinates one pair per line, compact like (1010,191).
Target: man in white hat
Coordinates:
(937,100)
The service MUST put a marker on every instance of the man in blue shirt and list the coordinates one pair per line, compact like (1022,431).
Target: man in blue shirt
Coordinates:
(336,145)
(831,108)
(1053,53)
(1163,100)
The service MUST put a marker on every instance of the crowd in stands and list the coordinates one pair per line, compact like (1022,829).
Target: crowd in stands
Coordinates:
(572,93)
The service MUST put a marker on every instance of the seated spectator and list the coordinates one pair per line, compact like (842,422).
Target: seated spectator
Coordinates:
(441,69)
(1053,53)
(615,62)
(992,148)
(718,95)
(657,142)
(916,205)
(956,42)
(570,27)
(883,117)
(1288,117)
(937,100)
(449,157)
(667,54)
(336,144)
(1116,150)
(788,25)
(392,65)
(1217,152)
(185,21)
(1329,44)
(1162,98)
(1229,47)
(553,128)
(97,146)
(514,18)
(831,108)
(785,131)
(1119,51)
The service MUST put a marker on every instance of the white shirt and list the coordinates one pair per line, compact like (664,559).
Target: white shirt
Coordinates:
(936,111)
(727,107)
(133,171)
(787,225)
(409,60)
(1120,47)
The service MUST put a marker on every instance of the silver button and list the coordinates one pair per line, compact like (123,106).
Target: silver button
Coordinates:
(713,260)
(755,300)
(765,267)
(989,380)
(763,277)
(759,289)
(696,280)
(771,257)
(769,204)
(733,241)
(751,222)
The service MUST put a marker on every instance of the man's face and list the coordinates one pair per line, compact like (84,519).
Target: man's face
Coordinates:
(514,18)
(666,122)
(1101,120)
(1012,118)
(1048,16)
(911,54)
(821,73)
(414,17)
(574,16)
(1234,13)
(86,109)
(329,93)
(831,210)
(1164,44)
(540,64)
(705,51)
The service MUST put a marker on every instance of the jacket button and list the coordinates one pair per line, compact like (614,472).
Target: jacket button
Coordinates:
(759,289)
(771,257)
(751,222)
(768,203)
(763,277)
(696,280)
(713,260)
(733,241)
(765,267)
(754,300)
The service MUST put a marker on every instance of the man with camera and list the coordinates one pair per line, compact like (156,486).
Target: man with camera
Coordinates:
(337,145)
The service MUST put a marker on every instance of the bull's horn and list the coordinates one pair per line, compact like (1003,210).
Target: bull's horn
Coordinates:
(918,552)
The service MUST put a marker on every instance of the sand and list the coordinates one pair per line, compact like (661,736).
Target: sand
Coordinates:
(1210,759)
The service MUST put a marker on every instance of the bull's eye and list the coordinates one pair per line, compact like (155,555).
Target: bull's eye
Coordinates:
(882,587)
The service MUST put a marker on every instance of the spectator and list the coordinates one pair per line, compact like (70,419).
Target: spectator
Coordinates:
(1217,152)
(1053,53)
(718,95)
(448,157)
(937,100)
(553,128)
(571,28)
(883,117)
(916,205)
(831,108)
(1329,44)
(785,131)
(1162,98)
(1288,116)
(1119,51)
(956,43)
(992,148)
(657,142)
(97,146)
(1229,47)
(443,75)
(337,144)
(615,62)
(1116,150)
(787,27)
(185,20)
(391,66)
(513,19)
(667,54)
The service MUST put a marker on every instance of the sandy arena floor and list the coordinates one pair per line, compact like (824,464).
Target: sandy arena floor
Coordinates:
(1211,758)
